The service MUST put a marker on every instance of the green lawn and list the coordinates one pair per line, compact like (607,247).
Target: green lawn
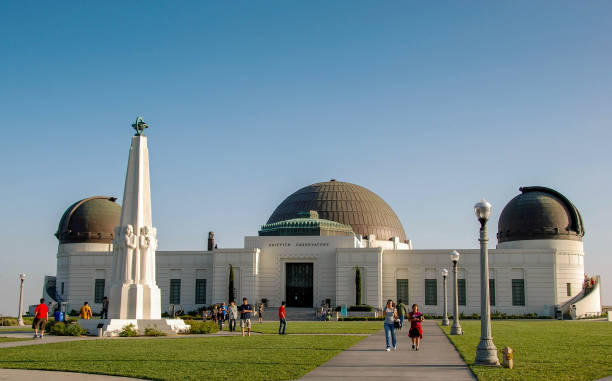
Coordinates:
(9,339)
(212,358)
(16,329)
(345,327)
(545,350)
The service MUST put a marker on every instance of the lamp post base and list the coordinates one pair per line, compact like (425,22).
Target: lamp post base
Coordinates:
(456,330)
(20,322)
(486,353)
(445,322)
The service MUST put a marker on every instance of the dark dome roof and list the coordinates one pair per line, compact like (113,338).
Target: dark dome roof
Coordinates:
(344,203)
(539,213)
(91,220)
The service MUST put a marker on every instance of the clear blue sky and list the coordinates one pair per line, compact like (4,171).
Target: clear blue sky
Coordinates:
(430,106)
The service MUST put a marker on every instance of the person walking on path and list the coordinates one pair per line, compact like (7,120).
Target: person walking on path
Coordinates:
(41,314)
(245,316)
(220,316)
(214,312)
(260,311)
(390,314)
(416,331)
(232,312)
(401,311)
(104,308)
(282,317)
(85,312)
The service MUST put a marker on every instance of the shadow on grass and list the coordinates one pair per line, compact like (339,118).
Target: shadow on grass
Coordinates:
(32,364)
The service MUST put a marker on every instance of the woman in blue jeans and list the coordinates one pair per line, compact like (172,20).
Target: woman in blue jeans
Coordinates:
(390,314)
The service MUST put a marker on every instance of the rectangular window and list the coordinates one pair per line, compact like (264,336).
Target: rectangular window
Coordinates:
(200,291)
(431,292)
(492,292)
(175,291)
(518,292)
(402,290)
(98,290)
(461,294)
(62,288)
(569,289)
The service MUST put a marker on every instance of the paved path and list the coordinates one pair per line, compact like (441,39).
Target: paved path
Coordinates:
(436,360)
(38,375)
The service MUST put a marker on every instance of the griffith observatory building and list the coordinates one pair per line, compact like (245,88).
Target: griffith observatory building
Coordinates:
(312,246)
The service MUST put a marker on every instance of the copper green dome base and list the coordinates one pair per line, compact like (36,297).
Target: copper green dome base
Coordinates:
(344,203)
(307,224)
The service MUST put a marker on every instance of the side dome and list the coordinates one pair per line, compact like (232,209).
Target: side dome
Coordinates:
(344,203)
(539,213)
(91,220)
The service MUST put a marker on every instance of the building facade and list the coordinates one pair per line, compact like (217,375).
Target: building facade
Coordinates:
(318,238)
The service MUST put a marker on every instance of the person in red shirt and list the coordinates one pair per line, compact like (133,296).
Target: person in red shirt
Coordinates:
(41,314)
(416,331)
(282,319)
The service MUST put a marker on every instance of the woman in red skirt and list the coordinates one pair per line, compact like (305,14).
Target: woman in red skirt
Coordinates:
(416,331)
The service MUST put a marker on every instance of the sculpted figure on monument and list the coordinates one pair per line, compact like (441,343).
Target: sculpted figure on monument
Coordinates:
(128,245)
(148,245)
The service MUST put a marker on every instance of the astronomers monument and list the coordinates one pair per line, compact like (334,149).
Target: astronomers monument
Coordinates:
(134,295)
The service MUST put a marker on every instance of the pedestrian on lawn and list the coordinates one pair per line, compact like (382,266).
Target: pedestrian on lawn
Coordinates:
(282,317)
(85,311)
(41,315)
(416,331)
(233,315)
(245,316)
(390,314)
(214,312)
(260,311)
(220,315)
(104,308)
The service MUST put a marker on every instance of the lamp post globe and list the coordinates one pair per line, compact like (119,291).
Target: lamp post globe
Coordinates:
(19,317)
(456,327)
(483,211)
(444,273)
(486,352)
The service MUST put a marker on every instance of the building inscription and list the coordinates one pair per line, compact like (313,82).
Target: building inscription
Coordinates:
(298,244)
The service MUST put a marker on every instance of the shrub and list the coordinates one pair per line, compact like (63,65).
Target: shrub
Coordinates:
(361,307)
(128,331)
(9,321)
(73,312)
(153,332)
(63,329)
(362,318)
(200,327)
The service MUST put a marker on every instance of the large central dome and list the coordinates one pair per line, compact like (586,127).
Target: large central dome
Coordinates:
(345,203)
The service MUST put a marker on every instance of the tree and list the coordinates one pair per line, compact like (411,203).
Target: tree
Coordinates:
(357,286)
(232,291)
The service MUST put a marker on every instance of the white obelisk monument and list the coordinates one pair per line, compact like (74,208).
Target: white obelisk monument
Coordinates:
(134,296)
(134,293)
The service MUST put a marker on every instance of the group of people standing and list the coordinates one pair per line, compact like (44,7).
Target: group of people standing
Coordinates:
(221,313)
(394,319)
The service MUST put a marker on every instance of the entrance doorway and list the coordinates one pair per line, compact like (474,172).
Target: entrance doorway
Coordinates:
(298,284)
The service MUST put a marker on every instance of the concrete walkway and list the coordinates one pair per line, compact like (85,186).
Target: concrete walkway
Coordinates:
(436,360)
(38,375)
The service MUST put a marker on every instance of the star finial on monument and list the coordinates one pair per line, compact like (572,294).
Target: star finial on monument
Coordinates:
(139,126)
